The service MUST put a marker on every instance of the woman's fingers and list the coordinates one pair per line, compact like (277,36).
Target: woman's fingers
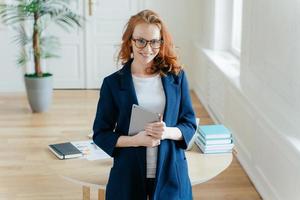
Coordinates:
(152,141)
(155,129)
(157,135)
(156,124)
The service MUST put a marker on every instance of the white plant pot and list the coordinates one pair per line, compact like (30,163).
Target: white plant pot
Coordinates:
(39,92)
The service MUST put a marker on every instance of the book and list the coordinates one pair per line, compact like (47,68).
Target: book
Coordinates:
(192,141)
(218,131)
(216,146)
(214,141)
(65,150)
(211,151)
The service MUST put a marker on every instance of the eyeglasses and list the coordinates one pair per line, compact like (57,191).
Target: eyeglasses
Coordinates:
(142,43)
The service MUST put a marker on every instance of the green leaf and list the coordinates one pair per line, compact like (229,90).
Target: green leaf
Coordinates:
(23,57)
(38,15)
(22,38)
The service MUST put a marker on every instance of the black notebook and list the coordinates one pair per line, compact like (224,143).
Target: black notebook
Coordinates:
(65,150)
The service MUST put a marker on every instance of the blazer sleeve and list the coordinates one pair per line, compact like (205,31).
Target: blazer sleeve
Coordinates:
(186,118)
(105,121)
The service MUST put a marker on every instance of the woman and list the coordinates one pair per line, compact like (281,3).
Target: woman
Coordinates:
(151,163)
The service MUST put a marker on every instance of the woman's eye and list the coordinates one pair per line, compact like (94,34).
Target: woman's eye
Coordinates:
(155,41)
(141,41)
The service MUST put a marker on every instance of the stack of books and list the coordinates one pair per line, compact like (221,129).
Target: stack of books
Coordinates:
(214,139)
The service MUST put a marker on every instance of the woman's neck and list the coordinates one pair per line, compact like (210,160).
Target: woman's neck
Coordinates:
(139,69)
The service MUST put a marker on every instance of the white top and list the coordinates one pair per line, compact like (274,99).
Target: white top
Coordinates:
(150,94)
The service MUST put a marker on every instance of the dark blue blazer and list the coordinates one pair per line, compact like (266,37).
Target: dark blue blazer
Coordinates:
(128,174)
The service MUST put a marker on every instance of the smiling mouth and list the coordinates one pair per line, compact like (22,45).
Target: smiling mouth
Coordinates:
(145,55)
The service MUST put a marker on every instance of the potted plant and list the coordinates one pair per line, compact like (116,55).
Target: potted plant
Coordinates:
(31,18)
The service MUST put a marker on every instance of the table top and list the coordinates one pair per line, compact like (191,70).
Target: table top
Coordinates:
(94,174)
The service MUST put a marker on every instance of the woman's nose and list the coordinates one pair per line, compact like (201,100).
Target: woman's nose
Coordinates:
(147,48)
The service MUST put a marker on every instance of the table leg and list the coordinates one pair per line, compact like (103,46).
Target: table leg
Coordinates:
(86,192)
(101,194)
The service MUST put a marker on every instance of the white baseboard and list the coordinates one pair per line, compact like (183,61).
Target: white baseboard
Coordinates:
(256,175)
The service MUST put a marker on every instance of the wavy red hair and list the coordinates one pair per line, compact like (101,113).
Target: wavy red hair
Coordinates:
(166,60)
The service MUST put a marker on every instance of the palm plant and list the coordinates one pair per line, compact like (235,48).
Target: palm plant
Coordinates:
(37,15)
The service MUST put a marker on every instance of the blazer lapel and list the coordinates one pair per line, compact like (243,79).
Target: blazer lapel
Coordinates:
(128,97)
(126,85)
(172,92)
(171,89)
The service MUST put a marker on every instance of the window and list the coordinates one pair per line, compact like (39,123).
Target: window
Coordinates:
(236,27)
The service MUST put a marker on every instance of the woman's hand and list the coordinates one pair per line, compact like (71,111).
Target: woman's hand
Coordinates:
(151,137)
(157,130)
(143,139)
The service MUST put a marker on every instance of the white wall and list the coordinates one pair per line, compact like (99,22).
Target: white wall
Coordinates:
(270,80)
(272,69)
(176,15)
(261,107)
(11,78)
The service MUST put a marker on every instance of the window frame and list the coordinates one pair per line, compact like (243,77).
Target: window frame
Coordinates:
(236,27)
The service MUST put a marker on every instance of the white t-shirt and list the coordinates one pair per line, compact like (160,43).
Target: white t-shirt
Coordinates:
(150,94)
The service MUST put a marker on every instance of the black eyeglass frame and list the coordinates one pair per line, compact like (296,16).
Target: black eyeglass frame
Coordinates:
(147,41)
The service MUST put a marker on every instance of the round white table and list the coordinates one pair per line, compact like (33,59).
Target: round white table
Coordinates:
(94,174)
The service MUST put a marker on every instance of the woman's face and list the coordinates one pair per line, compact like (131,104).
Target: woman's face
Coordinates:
(142,34)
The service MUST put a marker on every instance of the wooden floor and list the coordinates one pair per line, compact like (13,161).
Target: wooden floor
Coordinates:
(25,175)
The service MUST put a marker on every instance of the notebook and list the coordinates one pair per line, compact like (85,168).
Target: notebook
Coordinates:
(216,131)
(140,117)
(65,150)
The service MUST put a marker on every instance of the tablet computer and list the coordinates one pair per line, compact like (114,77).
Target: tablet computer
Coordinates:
(140,117)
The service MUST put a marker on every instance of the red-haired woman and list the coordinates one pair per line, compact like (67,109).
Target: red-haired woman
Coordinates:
(151,163)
